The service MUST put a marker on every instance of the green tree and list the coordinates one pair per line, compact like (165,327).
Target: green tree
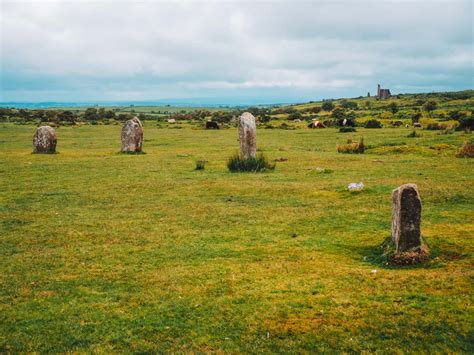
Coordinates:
(91,114)
(67,116)
(109,114)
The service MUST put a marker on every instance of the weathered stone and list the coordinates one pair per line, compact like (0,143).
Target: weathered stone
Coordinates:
(132,136)
(406,218)
(247,136)
(45,140)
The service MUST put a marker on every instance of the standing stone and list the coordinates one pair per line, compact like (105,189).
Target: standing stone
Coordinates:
(132,136)
(45,140)
(406,218)
(247,136)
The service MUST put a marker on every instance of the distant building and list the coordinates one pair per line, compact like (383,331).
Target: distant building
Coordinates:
(383,93)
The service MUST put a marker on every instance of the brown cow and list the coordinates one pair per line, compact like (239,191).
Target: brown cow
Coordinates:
(316,124)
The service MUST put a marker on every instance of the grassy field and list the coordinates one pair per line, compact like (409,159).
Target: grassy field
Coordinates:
(108,252)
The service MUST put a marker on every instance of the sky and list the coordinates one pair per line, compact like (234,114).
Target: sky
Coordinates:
(231,52)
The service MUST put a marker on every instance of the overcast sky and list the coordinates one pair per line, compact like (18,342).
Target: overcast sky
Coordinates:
(234,52)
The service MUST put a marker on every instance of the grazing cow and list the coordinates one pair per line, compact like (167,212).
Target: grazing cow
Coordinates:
(417,125)
(397,123)
(316,124)
(171,120)
(212,125)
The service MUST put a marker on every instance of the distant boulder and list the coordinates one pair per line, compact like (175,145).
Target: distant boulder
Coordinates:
(45,140)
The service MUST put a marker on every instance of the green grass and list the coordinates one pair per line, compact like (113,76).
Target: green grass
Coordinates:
(109,252)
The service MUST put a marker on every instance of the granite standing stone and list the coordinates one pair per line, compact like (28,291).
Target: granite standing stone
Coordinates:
(406,218)
(45,140)
(132,136)
(247,136)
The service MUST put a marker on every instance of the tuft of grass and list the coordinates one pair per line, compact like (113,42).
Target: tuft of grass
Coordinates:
(238,164)
(132,153)
(466,151)
(200,165)
(352,148)
(324,170)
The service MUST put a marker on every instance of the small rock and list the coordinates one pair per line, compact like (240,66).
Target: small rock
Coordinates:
(354,186)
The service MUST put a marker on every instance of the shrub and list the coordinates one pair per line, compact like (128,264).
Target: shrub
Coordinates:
(430,106)
(458,115)
(393,107)
(294,116)
(239,164)
(466,151)
(436,126)
(315,109)
(200,165)
(466,123)
(373,124)
(414,134)
(386,115)
(327,105)
(347,129)
(349,104)
(350,147)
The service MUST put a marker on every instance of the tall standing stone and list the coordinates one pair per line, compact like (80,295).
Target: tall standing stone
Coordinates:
(406,218)
(247,136)
(132,136)
(45,140)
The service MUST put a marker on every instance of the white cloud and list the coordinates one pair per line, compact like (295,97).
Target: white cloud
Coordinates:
(178,49)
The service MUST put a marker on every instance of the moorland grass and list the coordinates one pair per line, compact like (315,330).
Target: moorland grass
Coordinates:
(105,252)
(352,147)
